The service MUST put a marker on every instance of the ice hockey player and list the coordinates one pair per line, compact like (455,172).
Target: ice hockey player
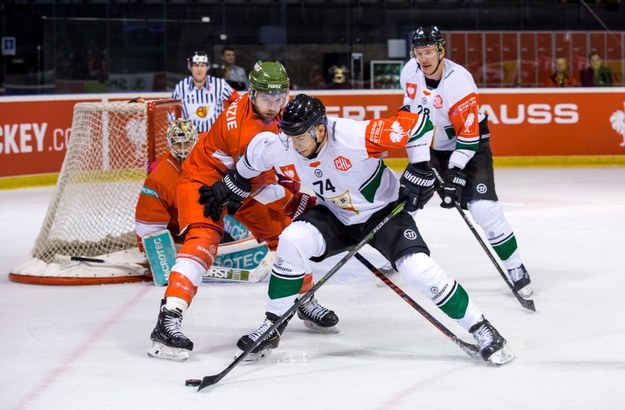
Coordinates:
(446,92)
(341,160)
(265,215)
(156,208)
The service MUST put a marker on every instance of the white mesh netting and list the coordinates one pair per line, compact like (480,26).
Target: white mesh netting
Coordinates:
(91,214)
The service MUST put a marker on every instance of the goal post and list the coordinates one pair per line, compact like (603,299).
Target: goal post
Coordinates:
(88,234)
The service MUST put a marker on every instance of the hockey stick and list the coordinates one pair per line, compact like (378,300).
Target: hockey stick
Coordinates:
(130,267)
(210,380)
(526,303)
(470,349)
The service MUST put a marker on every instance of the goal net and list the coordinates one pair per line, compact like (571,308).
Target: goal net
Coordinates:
(88,235)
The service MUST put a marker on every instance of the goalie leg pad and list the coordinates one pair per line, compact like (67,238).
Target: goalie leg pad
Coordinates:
(161,253)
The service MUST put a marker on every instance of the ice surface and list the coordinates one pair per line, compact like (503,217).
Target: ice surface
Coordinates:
(85,347)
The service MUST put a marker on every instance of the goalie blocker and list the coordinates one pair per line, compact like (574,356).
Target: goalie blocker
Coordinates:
(244,260)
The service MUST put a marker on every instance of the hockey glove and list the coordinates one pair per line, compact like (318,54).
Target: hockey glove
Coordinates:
(289,184)
(299,203)
(417,185)
(451,190)
(228,192)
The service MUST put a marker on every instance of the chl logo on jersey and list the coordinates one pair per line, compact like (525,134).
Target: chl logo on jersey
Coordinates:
(342,164)
(410,234)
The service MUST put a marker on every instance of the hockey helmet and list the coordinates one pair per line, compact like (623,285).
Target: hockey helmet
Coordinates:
(198,57)
(181,138)
(302,113)
(269,77)
(428,36)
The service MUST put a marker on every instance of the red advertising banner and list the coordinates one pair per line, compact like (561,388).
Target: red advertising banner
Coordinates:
(34,131)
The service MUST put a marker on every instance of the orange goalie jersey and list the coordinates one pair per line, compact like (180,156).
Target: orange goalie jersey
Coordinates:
(156,208)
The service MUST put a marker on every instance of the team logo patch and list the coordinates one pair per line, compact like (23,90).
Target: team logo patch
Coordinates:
(318,173)
(290,171)
(469,123)
(411,90)
(201,112)
(481,188)
(342,164)
(410,234)
(438,102)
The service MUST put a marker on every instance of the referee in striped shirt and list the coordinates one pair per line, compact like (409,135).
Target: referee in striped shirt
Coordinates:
(203,97)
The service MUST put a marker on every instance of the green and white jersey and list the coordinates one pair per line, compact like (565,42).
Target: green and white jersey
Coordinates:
(348,175)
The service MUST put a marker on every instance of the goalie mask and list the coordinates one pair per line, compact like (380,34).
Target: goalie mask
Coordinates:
(198,57)
(181,138)
(428,36)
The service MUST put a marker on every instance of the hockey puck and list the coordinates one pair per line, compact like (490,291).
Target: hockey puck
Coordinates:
(193,382)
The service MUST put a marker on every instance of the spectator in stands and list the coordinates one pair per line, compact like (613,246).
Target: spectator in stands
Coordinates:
(561,77)
(597,74)
(232,73)
(203,97)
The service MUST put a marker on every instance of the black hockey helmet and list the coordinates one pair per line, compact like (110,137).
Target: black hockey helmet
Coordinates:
(302,113)
(428,36)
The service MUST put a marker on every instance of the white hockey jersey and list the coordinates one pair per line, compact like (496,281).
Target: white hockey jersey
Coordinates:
(348,175)
(452,107)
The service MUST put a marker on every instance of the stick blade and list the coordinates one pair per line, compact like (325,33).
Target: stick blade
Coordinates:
(209,381)
(470,349)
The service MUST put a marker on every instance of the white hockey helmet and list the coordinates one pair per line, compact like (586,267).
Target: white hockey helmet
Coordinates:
(198,57)
(181,138)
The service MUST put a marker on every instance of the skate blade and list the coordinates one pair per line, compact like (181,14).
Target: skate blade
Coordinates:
(501,356)
(526,292)
(175,354)
(321,329)
(253,357)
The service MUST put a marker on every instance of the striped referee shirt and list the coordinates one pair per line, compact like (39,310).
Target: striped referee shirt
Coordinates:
(203,105)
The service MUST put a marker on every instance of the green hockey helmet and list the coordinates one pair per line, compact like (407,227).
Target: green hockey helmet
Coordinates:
(269,77)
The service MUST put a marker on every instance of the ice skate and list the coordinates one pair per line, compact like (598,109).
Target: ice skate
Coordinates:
(521,281)
(270,342)
(492,344)
(317,317)
(168,341)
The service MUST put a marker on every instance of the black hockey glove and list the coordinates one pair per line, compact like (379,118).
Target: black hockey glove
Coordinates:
(451,190)
(228,192)
(417,185)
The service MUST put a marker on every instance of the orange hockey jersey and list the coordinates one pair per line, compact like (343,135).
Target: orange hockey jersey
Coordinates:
(219,149)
